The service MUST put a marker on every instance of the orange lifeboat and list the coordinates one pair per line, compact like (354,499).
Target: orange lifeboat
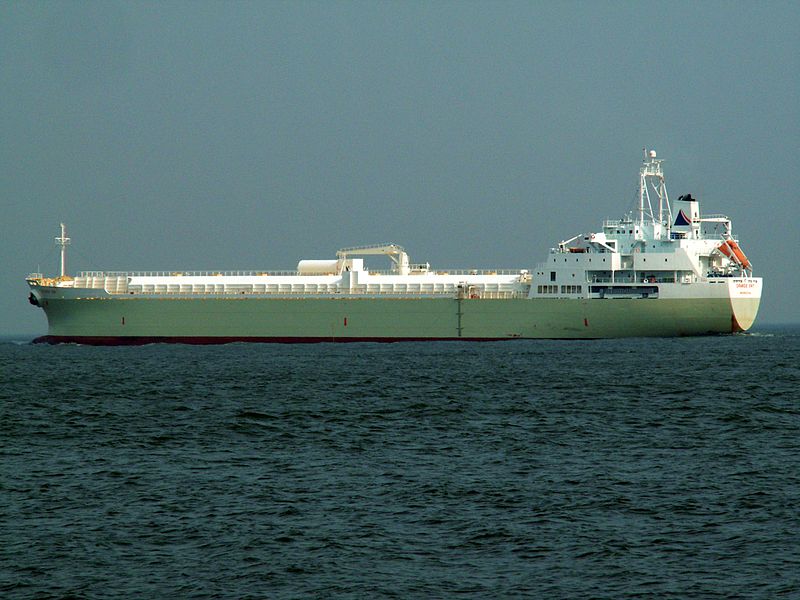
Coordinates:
(732,251)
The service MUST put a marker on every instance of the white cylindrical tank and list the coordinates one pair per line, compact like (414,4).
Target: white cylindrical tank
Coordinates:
(318,267)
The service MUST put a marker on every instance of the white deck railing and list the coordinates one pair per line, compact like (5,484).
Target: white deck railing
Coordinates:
(184,273)
(286,273)
(325,293)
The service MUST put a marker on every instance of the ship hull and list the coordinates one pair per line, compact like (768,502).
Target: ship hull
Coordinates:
(117,321)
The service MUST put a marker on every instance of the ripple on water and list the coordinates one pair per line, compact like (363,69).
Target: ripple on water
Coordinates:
(603,469)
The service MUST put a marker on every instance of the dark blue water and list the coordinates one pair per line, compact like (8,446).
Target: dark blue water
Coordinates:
(546,469)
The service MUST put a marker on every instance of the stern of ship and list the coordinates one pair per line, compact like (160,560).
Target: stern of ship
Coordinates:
(745,295)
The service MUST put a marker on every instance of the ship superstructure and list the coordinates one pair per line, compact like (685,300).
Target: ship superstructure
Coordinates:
(638,256)
(665,270)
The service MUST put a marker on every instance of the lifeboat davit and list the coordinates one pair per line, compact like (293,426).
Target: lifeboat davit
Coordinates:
(732,251)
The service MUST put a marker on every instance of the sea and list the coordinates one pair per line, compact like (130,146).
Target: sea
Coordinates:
(636,468)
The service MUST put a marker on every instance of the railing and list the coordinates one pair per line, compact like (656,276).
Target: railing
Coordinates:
(458,272)
(583,250)
(628,279)
(325,293)
(263,273)
(184,273)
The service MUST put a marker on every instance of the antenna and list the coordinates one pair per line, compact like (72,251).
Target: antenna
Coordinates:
(63,241)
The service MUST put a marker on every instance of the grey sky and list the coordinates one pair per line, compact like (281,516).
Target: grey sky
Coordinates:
(200,135)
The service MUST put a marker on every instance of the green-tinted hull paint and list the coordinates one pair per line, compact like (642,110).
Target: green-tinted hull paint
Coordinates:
(388,319)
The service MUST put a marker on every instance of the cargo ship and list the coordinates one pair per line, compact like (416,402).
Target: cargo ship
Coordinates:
(665,269)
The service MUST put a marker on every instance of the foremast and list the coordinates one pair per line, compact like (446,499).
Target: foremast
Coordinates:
(63,241)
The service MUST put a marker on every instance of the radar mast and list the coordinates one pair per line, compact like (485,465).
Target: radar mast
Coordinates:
(651,177)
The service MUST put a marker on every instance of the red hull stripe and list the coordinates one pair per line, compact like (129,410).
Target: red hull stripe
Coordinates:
(201,340)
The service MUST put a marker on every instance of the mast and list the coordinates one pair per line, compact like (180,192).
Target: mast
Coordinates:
(63,241)
(651,175)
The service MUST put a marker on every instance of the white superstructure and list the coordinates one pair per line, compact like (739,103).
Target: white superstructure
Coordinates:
(649,254)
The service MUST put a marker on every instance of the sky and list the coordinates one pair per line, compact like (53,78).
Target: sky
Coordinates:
(250,135)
